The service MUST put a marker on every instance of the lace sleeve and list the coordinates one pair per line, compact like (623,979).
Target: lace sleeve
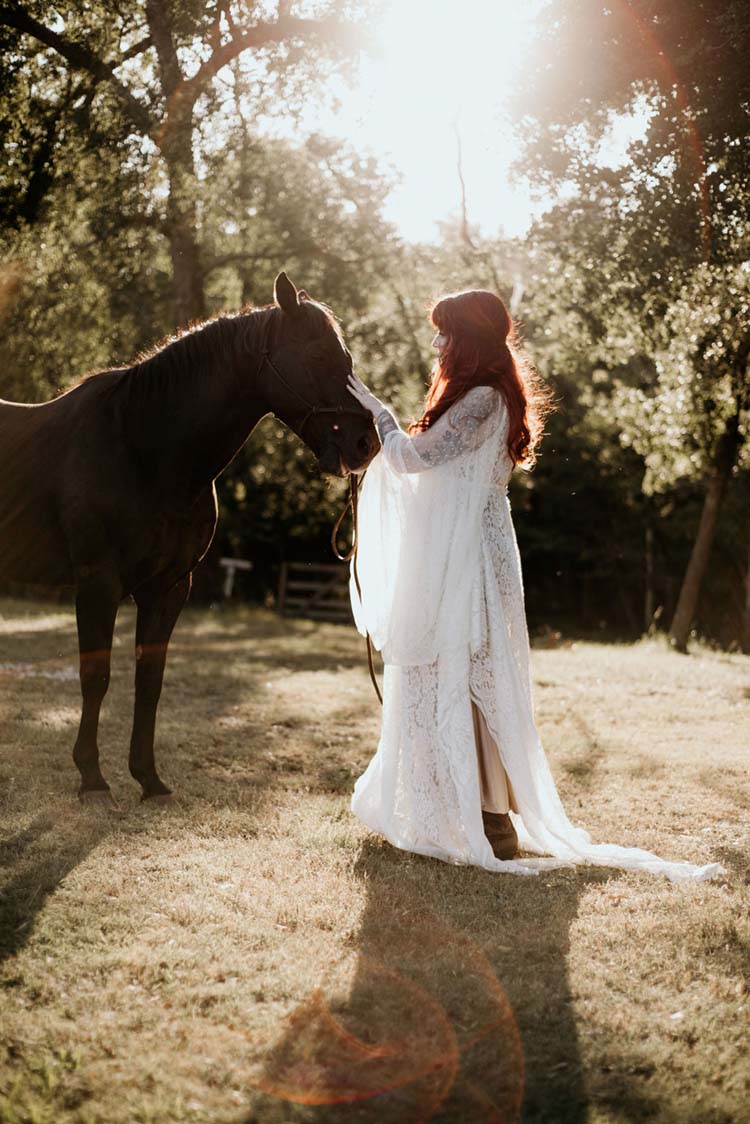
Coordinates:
(464,426)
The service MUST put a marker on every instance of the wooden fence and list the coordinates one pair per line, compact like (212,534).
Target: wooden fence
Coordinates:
(317,590)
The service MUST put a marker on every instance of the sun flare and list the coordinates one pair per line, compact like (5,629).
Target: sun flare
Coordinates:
(441,66)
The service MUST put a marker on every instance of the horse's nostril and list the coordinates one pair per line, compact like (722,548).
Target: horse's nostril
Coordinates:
(363,445)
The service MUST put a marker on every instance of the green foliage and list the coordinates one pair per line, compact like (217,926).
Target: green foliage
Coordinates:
(114,182)
(681,66)
(639,273)
(88,247)
(702,381)
(94,283)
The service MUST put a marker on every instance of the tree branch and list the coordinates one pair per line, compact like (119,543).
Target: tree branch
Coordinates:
(133,52)
(161,32)
(416,354)
(238,256)
(272,253)
(214,32)
(80,57)
(263,35)
(465,232)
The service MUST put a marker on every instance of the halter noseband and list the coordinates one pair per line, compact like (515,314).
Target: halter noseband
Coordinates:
(312,410)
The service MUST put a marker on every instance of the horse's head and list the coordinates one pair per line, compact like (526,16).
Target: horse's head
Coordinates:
(305,374)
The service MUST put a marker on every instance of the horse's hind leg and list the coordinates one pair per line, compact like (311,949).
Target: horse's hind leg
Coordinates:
(157,616)
(96,609)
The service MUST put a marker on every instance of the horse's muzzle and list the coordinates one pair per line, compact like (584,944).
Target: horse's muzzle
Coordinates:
(331,462)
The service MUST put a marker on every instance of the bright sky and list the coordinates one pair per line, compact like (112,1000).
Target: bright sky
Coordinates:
(442,61)
(446,61)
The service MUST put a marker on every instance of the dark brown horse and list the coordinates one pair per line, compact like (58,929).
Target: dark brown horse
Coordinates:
(110,487)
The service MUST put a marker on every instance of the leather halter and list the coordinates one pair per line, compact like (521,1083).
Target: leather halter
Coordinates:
(312,410)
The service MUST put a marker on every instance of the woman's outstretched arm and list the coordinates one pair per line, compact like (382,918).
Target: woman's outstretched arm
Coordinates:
(464,426)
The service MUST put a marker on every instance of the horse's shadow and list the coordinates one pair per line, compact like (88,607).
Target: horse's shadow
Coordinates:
(455,1006)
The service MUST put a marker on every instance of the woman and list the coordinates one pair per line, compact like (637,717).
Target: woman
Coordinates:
(459,772)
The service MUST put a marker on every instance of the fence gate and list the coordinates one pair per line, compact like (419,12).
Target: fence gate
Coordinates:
(318,590)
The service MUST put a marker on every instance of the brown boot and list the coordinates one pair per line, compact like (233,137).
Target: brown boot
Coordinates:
(501,834)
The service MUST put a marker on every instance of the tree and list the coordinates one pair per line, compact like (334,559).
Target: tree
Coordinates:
(677,214)
(96,270)
(322,204)
(683,68)
(694,419)
(154,68)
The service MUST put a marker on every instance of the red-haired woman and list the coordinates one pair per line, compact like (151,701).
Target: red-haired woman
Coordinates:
(460,772)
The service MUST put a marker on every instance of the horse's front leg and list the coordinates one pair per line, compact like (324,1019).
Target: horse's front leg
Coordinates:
(157,615)
(96,609)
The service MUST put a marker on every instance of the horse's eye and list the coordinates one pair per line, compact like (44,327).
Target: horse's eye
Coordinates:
(336,428)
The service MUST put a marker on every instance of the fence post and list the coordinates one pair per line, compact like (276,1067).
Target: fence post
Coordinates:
(282,588)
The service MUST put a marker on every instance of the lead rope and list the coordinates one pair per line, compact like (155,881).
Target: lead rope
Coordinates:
(353,493)
(354,486)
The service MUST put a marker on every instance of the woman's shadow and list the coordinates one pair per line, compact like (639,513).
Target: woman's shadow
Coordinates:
(454,1006)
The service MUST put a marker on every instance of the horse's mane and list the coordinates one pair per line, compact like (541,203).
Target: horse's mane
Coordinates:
(173,365)
(170,368)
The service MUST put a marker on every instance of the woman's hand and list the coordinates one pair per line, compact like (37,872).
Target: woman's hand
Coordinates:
(363,395)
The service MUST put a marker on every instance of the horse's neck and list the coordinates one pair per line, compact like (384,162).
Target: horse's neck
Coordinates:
(194,435)
(229,405)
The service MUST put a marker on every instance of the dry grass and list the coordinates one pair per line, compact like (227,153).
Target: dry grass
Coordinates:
(252,954)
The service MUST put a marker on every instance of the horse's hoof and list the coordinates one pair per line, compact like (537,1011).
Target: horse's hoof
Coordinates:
(161,798)
(97,798)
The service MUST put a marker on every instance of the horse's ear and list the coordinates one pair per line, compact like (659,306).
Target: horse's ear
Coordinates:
(285,295)
(303,296)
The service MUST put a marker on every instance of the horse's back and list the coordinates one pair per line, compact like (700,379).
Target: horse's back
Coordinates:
(38,446)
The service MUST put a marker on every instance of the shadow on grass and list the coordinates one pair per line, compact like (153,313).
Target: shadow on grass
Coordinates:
(296,647)
(226,768)
(455,1007)
(193,745)
(215,661)
(585,766)
(36,860)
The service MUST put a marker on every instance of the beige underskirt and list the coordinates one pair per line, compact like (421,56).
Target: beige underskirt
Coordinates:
(497,791)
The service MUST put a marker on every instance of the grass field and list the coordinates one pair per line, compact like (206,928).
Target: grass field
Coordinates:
(251,953)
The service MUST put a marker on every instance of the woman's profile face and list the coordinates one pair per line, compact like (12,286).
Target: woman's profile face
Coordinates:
(439,342)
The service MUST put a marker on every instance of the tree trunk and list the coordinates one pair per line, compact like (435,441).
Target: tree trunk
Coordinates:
(181,225)
(630,614)
(648,604)
(745,626)
(174,136)
(187,276)
(687,601)
(180,228)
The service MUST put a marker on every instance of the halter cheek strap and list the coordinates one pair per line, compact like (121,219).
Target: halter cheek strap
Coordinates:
(312,410)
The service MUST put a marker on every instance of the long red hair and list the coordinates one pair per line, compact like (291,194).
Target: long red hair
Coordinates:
(482,350)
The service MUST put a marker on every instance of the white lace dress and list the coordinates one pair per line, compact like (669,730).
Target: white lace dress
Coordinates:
(442,598)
